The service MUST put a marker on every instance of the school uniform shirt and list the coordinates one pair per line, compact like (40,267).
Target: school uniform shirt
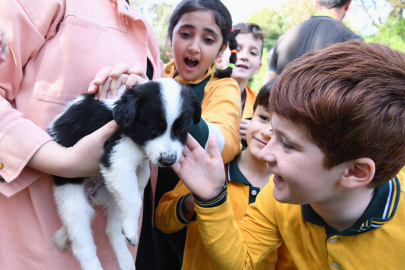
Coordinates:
(375,241)
(56,49)
(170,218)
(248,100)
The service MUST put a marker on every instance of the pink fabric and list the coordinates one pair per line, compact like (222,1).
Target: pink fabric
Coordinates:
(56,48)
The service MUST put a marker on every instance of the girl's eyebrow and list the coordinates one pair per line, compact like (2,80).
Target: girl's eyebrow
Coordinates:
(190,26)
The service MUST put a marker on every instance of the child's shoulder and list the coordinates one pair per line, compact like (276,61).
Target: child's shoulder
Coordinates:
(401,179)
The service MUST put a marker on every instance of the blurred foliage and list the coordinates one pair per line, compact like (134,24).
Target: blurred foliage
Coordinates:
(160,13)
(390,33)
(296,11)
(272,23)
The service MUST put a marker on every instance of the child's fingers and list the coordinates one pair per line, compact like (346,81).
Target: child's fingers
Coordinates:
(100,78)
(213,146)
(106,131)
(104,89)
(119,69)
(138,71)
(134,80)
(191,143)
(116,84)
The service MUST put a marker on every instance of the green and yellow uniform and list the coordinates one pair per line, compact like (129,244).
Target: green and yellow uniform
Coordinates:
(375,241)
(248,100)
(170,218)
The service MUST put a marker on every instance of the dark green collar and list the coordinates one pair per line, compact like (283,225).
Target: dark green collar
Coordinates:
(234,173)
(380,210)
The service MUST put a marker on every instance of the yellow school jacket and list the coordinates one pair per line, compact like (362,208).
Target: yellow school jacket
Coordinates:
(376,241)
(220,109)
(170,218)
(250,101)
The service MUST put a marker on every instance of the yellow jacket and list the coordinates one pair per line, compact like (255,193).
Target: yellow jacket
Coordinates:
(170,218)
(376,241)
(250,101)
(220,106)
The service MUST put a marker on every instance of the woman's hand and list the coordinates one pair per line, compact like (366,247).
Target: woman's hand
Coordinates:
(244,124)
(203,174)
(80,160)
(109,79)
(4,51)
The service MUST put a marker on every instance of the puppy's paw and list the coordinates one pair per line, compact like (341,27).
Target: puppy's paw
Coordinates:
(127,265)
(61,238)
(132,239)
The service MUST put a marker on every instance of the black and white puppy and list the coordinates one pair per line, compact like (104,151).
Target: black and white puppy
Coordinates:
(154,120)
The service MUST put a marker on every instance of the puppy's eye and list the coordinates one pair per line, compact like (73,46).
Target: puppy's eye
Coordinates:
(153,129)
(181,129)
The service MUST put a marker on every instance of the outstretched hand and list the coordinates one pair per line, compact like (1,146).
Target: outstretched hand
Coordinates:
(4,51)
(109,80)
(203,174)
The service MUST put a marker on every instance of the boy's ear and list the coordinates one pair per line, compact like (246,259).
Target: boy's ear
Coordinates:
(258,69)
(360,172)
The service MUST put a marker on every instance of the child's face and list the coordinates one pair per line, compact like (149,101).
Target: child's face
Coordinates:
(258,133)
(196,41)
(249,58)
(297,165)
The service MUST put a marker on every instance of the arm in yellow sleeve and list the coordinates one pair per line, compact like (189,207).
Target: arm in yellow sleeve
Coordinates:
(221,107)
(238,245)
(169,215)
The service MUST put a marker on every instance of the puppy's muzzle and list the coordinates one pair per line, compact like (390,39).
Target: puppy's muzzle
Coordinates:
(167,160)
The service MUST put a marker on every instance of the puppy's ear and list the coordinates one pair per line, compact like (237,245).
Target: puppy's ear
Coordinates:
(195,104)
(126,109)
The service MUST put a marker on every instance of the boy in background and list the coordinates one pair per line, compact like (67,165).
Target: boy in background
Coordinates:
(246,175)
(336,152)
(250,49)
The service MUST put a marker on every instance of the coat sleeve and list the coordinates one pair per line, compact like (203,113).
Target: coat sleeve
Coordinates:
(222,111)
(169,216)
(28,26)
(243,244)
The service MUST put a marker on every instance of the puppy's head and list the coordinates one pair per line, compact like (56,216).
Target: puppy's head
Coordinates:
(157,115)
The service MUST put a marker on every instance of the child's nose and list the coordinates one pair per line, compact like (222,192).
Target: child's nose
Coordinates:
(242,55)
(194,46)
(266,132)
(266,154)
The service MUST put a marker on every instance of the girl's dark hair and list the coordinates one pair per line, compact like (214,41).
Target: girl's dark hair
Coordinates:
(222,18)
(233,46)
(221,15)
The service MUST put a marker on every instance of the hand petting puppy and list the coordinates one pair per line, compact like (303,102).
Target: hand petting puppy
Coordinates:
(4,50)
(203,174)
(109,79)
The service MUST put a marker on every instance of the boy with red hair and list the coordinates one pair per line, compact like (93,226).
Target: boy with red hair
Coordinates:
(336,198)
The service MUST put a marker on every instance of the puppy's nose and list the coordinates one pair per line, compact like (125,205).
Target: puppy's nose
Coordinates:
(167,160)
